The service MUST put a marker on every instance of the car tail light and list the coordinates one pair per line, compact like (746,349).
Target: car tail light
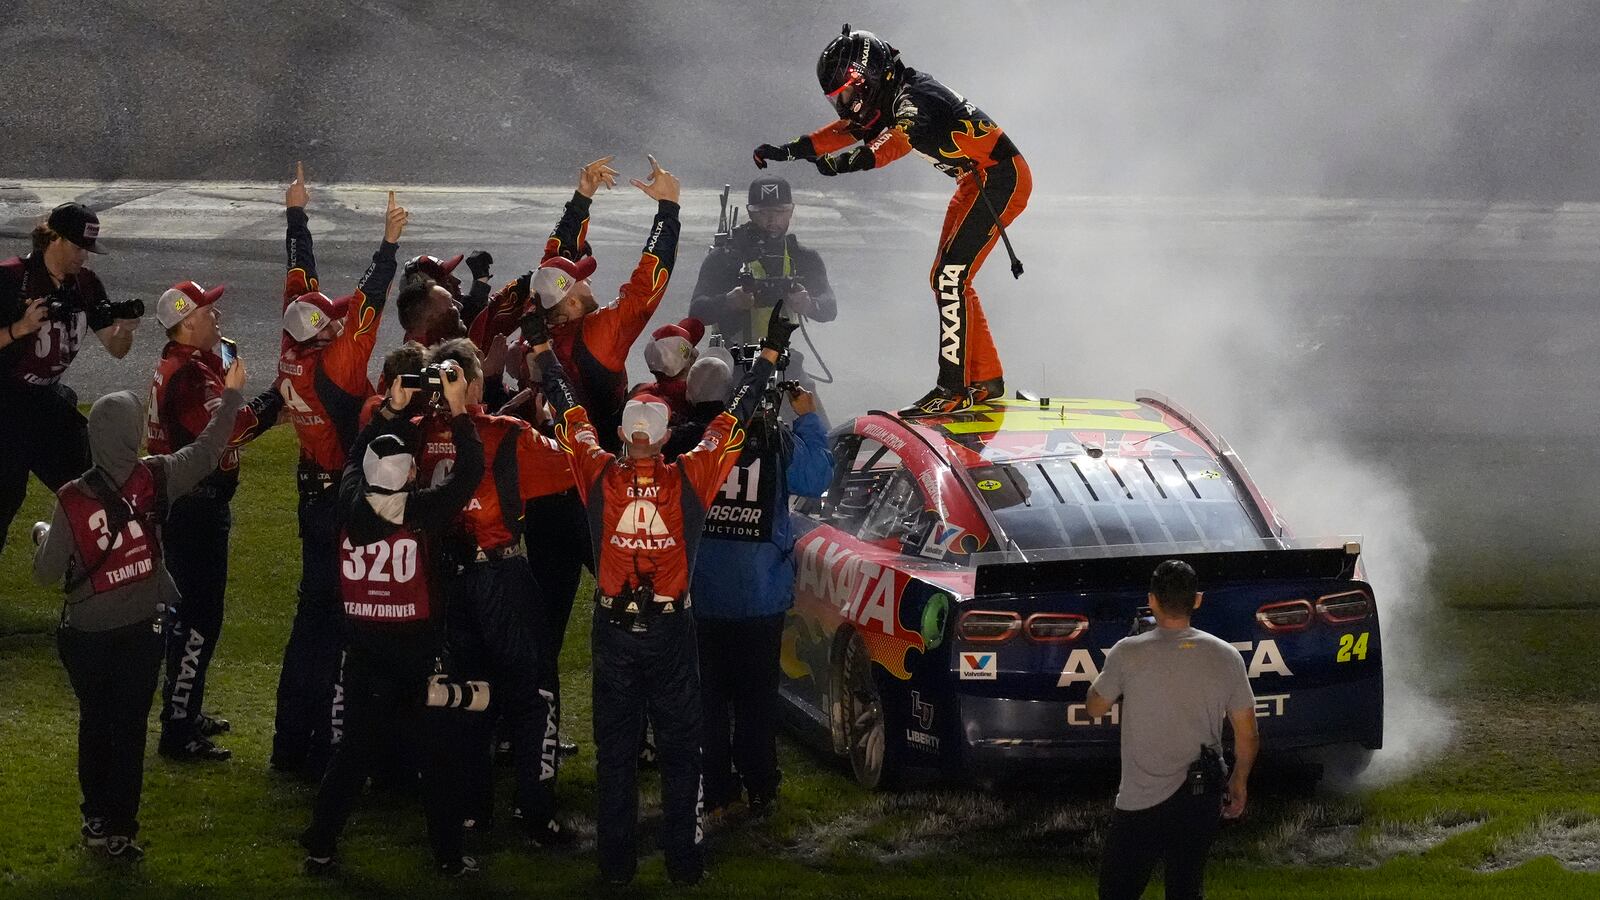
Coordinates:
(988,625)
(1055,628)
(1339,609)
(1290,615)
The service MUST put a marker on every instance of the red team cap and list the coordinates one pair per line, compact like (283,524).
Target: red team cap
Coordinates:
(310,313)
(182,299)
(671,349)
(557,276)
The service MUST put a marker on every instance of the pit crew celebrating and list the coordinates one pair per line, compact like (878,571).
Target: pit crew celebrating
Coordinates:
(893,109)
(186,388)
(645,519)
(322,374)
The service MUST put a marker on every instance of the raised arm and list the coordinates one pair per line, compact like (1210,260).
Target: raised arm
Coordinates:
(575,434)
(190,465)
(302,263)
(610,333)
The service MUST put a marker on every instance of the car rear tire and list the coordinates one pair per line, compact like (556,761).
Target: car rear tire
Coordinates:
(874,758)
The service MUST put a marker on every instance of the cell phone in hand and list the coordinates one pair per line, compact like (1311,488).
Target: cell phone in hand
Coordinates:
(229,350)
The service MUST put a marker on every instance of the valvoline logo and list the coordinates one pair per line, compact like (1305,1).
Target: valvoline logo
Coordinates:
(979,666)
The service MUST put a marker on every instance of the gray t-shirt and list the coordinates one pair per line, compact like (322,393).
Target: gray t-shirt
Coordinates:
(1177,686)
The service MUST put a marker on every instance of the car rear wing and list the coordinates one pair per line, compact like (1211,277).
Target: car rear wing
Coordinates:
(1090,571)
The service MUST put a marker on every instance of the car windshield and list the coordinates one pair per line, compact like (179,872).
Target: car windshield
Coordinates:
(1079,501)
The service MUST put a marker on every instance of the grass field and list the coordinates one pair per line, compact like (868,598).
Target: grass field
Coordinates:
(1508,811)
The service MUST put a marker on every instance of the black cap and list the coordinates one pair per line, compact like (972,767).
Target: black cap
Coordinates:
(770,190)
(77,224)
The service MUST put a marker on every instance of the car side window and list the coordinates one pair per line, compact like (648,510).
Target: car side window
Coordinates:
(873,497)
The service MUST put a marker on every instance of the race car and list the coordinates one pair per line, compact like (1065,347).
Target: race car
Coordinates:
(959,583)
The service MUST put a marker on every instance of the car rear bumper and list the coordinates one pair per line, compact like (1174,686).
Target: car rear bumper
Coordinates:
(1001,731)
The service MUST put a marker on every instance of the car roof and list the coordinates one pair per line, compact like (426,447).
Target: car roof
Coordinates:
(1013,430)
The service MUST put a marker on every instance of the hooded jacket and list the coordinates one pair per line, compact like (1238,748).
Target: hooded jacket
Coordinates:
(116,429)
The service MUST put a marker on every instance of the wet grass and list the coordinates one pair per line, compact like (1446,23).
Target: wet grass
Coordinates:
(1506,811)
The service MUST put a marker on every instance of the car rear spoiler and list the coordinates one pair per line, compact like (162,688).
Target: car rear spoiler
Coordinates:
(1322,563)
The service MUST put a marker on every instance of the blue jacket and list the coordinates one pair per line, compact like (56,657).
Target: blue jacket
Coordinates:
(743,579)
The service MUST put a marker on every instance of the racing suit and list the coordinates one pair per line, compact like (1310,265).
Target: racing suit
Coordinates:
(964,143)
(391,607)
(645,520)
(53,440)
(743,586)
(594,349)
(186,389)
(323,390)
(499,620)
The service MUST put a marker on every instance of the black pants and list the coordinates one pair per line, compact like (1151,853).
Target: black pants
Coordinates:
(1177,832)
(308,721)
(739,674)
(52,443)
(556,535)
(113,674)
(195,541)
(498,635)
(384,694)
(636,674)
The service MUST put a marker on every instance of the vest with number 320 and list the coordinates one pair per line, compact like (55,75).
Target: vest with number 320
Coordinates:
(386,580)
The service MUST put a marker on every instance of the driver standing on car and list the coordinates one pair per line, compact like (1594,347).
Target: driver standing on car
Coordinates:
(1177,685)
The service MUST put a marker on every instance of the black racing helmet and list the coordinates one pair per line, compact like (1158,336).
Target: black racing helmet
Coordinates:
(854,71)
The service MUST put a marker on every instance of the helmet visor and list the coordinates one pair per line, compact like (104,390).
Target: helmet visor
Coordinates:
(846,98)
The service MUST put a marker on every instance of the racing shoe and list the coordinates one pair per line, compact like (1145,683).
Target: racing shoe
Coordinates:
(986,390)
(211,726)
(94,833)
(122,849)
(940,401)
(464,867)
(198,749)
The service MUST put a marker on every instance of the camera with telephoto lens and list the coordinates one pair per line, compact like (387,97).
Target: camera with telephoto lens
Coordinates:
(429,383)
(62,306)
(468,696)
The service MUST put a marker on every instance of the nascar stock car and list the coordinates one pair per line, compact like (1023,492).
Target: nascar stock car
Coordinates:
(963,576)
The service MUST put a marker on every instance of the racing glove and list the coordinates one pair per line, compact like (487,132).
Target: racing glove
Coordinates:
(478,263)
(858,160)
(779,329)
(799,148)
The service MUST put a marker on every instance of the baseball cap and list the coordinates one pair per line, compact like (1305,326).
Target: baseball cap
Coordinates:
(769,191)
(557,276)
(387,464)
(76,223)
(182,299)
(709,380)
(310,313)
(437,269)
(671,348)
(647,413)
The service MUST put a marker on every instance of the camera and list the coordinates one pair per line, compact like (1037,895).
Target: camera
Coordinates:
(62,306)
(470,696)
(1144,619)
(768,291)
(40,531)
(430,381)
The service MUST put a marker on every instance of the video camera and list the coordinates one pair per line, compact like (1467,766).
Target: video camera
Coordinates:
(768,291)
(429,383)
(769,410)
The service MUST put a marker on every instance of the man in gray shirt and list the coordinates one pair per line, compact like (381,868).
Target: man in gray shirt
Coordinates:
(104,545)
(1177,685)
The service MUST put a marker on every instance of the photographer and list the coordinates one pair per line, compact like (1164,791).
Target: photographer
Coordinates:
(48,299)
(322,374)
(186,387)
(105,540)
(1177,685)
(502,611)
(389,573)
(743,586)
(645,520)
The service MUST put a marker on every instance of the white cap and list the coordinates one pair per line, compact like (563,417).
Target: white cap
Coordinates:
(646,413)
